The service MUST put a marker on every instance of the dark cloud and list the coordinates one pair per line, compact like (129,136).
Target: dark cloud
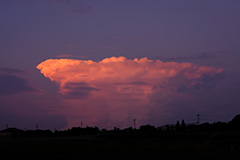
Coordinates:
(204,55)
(137,83)
(78,90)
(11,82)
(206,82)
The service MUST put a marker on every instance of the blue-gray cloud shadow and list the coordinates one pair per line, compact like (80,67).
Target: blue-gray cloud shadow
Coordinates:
(78,90)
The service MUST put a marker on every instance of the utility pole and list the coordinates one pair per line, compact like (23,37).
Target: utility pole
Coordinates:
(6,126)
(198,119)
(134,123)
(81,124)
(37,126)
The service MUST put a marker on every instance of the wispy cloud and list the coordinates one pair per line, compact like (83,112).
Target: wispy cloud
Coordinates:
(63,1)
(81,9)
(200,56)
(70,56)
(4,70)
(12,82)
(75,6)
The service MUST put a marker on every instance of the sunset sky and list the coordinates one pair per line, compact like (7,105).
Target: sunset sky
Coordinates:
(105,63)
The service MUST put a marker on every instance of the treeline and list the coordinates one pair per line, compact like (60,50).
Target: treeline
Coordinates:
(233,125)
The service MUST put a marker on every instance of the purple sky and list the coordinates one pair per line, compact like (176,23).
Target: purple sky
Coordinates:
(203,33)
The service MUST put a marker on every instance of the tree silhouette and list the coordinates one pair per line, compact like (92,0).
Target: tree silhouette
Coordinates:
(183,125)
(177,126)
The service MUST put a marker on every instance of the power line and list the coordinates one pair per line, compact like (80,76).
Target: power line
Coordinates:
(134,123)
(81,124)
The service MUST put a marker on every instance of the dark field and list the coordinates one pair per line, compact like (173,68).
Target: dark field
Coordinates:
(189,145)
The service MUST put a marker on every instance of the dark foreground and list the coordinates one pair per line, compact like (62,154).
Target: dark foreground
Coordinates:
(176,145)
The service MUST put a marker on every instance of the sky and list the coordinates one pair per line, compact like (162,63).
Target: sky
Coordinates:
(104,63)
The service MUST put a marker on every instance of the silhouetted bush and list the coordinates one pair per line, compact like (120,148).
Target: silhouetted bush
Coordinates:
(234,124)
(177,127)
(13,131)
(38,133)
(147,129)
(205,127)
(76,131)
(183,125)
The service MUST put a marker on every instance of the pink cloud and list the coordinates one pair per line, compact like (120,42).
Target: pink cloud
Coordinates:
(118,89)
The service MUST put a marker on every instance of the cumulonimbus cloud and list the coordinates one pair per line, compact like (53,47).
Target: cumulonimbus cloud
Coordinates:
(126,85)
(123,72)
